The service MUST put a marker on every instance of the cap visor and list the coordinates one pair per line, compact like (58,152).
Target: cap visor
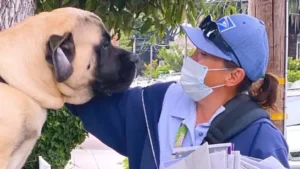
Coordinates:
(196,36)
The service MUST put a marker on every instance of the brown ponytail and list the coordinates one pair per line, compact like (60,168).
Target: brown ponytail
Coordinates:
(264,92)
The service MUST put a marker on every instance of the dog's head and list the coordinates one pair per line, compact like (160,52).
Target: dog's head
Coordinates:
(84,61)
(62,56)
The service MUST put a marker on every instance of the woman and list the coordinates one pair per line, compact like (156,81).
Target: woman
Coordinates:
(142,123)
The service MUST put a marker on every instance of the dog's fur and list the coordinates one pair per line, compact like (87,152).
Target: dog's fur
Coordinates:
(57,57)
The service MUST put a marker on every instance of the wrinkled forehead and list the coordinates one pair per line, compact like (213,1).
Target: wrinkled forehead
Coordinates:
(90,29)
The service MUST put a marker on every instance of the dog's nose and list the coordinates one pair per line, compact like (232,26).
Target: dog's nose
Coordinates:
(134,58)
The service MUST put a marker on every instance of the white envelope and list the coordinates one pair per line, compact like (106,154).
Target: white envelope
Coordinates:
(246,165)
(218,160)
(218,157)
(268,163)
(198,159)
(230,161)
(237,159)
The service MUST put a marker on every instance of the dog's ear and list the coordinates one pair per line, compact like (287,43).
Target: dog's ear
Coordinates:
(60,54)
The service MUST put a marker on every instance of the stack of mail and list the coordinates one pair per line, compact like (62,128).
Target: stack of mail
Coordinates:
(217,156)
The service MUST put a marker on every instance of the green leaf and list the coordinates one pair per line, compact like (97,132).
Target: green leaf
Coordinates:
(203,6)
(179,13)
(233,9)
(102,9)
(183,15)
(191,18)
(194,10)
(128,19)
(227,11)
(153,40)
(130,43)
(47,7)
(127,32)
(111,16)
(90,5)
(161,32)
(146,26)
(82,4)
(163,6)
(168,17)
(71,3)
(55,4)
(120,4)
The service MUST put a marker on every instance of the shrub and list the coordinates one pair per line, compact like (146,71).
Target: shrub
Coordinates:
(61,133)
(293,64)
(125,42)
(151,67)
(160,70)
(156,69)
(293,75)
(173,56)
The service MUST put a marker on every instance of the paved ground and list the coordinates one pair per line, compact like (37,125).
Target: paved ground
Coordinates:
(95,155)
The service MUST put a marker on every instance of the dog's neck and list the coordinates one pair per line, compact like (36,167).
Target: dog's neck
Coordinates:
(23,65)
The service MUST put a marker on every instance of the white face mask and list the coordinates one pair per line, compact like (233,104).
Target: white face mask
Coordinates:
(192,79)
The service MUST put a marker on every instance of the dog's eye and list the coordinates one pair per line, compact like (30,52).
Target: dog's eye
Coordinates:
(106,44)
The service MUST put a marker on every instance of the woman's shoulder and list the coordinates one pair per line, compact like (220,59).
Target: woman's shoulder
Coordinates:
(160,86)
(269,141)
(270,133)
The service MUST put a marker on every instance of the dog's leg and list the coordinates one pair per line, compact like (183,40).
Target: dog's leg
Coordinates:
(28,146)
(8,141)
(20,156)
(10,126)
(21,122)
(33,127)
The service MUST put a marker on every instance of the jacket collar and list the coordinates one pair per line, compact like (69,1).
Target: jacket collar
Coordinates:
(184,105)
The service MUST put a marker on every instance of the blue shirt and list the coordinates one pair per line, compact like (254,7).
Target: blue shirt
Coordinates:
(179,108)
(121,123)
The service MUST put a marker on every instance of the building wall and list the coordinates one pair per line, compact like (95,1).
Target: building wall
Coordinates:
(292,45)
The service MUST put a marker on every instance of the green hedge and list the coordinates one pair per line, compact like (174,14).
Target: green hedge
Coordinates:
(293,64)
(293,75)
(293,69)
(61,133)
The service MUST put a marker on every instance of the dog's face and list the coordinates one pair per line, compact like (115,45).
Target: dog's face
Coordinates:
(84,62)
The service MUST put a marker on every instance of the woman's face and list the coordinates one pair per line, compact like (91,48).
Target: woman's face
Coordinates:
(230,77)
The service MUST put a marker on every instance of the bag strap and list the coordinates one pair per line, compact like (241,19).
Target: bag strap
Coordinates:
(240,112)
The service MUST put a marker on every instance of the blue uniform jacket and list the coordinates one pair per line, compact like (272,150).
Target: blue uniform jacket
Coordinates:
(119,122)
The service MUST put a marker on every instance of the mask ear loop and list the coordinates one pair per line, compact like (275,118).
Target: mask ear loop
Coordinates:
(220,69)
(217,86)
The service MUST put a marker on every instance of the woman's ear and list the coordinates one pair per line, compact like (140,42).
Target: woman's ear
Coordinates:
(235,77)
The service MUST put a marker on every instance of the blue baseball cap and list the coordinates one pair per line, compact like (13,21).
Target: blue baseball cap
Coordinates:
(247,37)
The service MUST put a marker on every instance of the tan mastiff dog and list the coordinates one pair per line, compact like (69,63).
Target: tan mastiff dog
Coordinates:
(47,60)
